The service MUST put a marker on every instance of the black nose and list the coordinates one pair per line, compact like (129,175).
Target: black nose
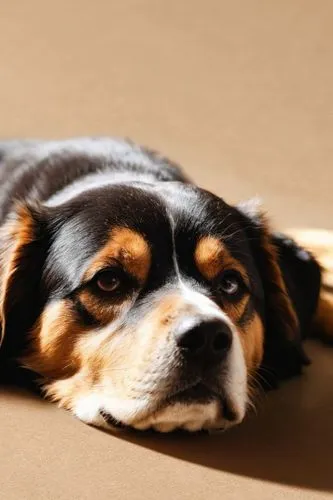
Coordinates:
(205,340)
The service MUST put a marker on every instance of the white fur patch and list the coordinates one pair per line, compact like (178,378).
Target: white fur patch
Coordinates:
(202,305)
(192,418)
(236,379)
(251,208)
(87,408)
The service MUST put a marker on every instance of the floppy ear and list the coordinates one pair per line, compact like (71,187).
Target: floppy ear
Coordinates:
(288,281)
(320,242)
(21,260)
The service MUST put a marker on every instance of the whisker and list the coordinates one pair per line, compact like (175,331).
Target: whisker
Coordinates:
(240,230)
(228,228)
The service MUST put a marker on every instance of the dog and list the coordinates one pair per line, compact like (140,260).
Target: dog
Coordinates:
(137,299)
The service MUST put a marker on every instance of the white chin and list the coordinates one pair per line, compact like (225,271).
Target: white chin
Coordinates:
(190,417)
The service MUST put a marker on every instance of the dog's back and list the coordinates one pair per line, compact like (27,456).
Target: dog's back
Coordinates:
(37,170)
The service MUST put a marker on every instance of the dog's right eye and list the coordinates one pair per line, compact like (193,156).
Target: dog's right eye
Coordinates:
(231,285)
(112,283)
(108,281)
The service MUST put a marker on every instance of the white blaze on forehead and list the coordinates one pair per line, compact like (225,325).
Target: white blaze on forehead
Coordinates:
(201,302)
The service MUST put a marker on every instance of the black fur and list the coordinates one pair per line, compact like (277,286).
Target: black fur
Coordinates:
(69,234)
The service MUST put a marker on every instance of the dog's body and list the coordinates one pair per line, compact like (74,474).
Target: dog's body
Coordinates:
(136,297)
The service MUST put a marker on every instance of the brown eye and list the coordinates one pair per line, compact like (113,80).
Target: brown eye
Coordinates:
(108,281)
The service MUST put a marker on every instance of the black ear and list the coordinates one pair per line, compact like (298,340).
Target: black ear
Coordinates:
(303,276)
(291,282)
(23,249)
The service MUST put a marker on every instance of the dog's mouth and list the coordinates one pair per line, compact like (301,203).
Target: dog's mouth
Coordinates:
(110,420)
(195,394)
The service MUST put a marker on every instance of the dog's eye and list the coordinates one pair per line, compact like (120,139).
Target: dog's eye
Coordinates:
(230,283)
(108,281)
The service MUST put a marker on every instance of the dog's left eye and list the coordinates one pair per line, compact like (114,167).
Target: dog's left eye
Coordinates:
(230,283)
(108,281)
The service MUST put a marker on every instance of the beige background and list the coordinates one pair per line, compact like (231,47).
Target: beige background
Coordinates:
(240,93)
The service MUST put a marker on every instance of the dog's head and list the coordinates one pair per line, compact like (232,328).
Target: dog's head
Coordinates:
(147,305)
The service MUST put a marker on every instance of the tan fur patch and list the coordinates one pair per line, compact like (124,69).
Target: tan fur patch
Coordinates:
(125,362)
(212,257)
(252,339)
(15,234)
(52,342)
(103,312)
(126,247)
(60,345)
(235,311)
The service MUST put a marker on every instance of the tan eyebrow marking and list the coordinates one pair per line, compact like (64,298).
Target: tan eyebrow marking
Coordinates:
(211,257)
(127,247)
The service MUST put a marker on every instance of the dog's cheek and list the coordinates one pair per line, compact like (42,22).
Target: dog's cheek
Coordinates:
(138,361)
(52,342)
(118,365)
(251,331)
(252,340)
(64,392)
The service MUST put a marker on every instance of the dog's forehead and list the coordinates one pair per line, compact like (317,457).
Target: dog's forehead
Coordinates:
(208,232)
(84,226)
(172,208)
(174,217)
(197,213)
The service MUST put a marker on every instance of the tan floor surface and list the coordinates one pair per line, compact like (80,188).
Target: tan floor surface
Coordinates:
(240,93)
